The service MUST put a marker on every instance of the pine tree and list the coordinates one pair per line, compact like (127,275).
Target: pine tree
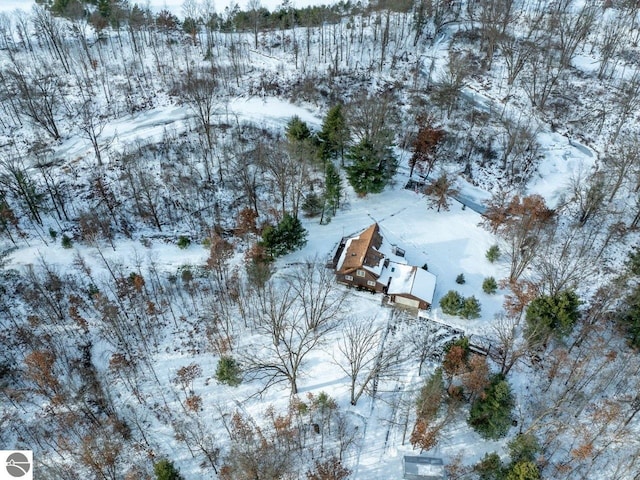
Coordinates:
(524,448)
(333,187)
(104,7)
(490,414)
(493,253)
(287,236)
(470,308)
(335,133)
(313,205)
(451,303)
(489,285)
(629,316)
(297,130)
(552,314)
(165,470)
(370,169)
(228,371)
(490,467)
(523,471)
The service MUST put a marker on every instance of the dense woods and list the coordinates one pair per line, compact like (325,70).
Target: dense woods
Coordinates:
(128,129)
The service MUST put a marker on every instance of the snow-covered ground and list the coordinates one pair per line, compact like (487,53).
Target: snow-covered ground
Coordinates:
(449,242)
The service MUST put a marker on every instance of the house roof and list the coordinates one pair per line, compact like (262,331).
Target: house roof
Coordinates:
(409,280)
(423,468)
(355,250)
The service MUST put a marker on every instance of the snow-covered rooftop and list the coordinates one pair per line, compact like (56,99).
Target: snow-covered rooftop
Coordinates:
(409,280)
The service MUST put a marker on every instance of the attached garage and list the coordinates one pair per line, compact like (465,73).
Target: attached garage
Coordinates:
(409,286)
(407,302)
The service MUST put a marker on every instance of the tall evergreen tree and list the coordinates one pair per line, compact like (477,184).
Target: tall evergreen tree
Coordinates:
(629,316)
(287,236)
(490,414)
(332,187)
(335,133)
(370,169)
(552,314)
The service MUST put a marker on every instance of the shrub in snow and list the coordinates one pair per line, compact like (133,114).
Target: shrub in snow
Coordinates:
(460,279)
(490,467)
(471,308)
(489,285)
(455,304)
(490,414)
(183,242)
(53,234)
(66,241)
(524,447)
(165,470)
(228,371)
(312,205)
(330,468)
(493,253)
(452,303)
(523,471)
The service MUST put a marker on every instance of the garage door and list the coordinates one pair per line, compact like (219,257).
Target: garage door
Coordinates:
(407,302)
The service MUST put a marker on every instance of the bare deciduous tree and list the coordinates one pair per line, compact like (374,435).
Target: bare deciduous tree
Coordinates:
(510,347)
(628,100)
(38,95)
(589,193)
(520,221)
(493,17)
(296,316)
(199,89)
(318,295)
(622,165)
(520,148)
(440,191)
(367,357)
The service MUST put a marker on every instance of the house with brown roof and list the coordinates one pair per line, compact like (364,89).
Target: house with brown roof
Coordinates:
(361,261)
(366,262)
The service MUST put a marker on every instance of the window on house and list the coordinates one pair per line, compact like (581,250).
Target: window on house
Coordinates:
(371,283)
(348,277)
(360,273)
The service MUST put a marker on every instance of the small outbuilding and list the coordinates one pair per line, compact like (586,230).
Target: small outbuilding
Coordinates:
(419,467)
